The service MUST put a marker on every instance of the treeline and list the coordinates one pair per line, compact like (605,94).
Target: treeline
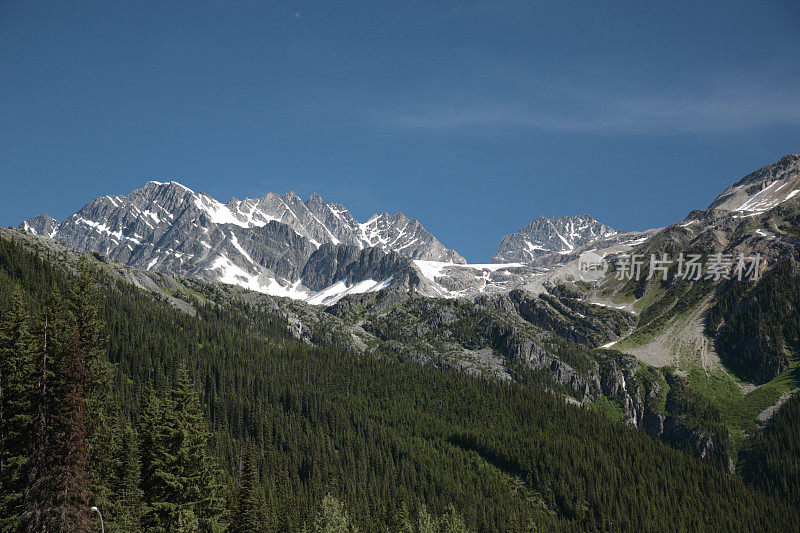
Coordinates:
(224,421)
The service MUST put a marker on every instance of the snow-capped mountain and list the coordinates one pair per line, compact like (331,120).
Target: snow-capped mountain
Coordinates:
(332,223)
(271,244)
(123,221)
(318,252)
(763,189)
(545,236)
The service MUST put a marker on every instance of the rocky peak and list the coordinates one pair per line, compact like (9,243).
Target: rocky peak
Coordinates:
(763,189)
(258,243)
(42,224)
(544,236)
(316,201)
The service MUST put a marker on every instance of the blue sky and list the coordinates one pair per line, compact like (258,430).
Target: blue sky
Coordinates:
(474,117)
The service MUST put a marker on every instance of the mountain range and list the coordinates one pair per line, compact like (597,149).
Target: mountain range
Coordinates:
(279,245)
(701,365)
(318,252)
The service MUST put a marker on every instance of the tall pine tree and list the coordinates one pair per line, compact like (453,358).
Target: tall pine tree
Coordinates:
(248,515)
(127,499)
(90,339)
(181,485)
(16,419)
(57,496)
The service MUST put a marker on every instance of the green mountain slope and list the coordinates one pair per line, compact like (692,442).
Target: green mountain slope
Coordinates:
(378,433)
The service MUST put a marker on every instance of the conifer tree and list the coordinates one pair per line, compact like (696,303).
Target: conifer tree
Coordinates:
(248,516)
(181,486)
(127,480)
(404,520)
(89,336)
(57,496)
(452,522)
(149,419)
(16,419)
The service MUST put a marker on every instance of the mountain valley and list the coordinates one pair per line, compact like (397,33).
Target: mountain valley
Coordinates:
(699,365)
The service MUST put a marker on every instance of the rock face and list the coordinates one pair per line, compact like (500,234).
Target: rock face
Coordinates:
(259,243)
(332,223)
(264,243)
(333,263)
(168,228)
(763,189)
(510,342)
(569,318)
(44,225)
(545,236)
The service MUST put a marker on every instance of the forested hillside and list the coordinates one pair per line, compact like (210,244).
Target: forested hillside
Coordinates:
(757,326)
(772,460)
(173,422)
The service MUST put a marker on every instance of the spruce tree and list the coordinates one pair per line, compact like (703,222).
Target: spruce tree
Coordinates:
(403,523)
(181,485)
(248,515)
(57,496)
(90,338)
(16,419)
(149,419)
(127,479)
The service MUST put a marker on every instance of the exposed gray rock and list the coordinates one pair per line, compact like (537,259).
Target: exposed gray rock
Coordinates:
(511,342)
(544,236)
(332,223)
(275,246)
(43,224)
(407,236)
(260,244)
(332,263)
(763,189)
(570,318)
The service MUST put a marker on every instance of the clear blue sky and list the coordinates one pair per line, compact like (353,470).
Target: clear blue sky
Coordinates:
(474,117)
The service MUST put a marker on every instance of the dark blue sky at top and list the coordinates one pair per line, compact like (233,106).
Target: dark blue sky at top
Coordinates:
(474,117)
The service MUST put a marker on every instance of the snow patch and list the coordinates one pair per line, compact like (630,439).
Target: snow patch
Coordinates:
(216,211)
(636,242)
(102,228)
(765,199)
(433,269)
(601,304)
(241,250)
(295,291)
(153,216)
(229,272)
(339,290)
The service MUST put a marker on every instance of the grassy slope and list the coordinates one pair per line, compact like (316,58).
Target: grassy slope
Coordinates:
(739,410)
(722,388)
